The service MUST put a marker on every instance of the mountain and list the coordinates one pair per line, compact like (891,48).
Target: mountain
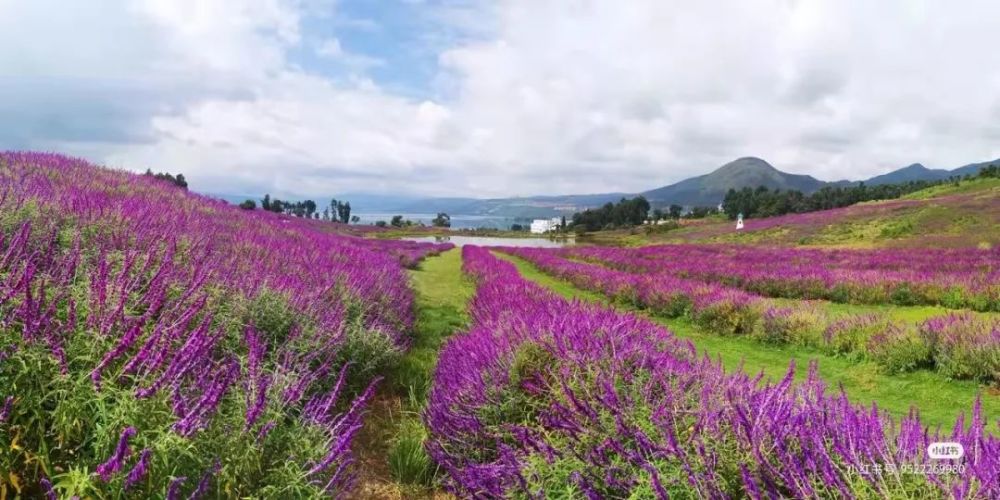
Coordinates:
(918,172)
(711,188)
(973,168)
(915,172)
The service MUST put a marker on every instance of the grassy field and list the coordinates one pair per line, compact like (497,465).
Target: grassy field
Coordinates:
(938,399)
(394,464)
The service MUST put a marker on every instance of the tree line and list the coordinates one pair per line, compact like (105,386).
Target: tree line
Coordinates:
(336,211)
(627,212)
(177,180)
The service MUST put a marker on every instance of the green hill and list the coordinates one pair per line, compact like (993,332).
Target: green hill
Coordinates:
(967,214)
(709,189)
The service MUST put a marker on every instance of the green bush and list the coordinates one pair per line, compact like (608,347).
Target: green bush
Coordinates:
(898,350)
(370,353)
(802,326)
(964,346)
(729,317)
(850,336)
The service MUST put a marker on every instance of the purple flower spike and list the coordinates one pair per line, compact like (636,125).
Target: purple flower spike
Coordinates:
(114,463)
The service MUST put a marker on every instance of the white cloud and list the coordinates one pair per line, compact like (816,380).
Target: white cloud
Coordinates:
(540,96)
(330,48)
(358,63)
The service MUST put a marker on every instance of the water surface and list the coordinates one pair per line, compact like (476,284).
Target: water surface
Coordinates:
(486,241)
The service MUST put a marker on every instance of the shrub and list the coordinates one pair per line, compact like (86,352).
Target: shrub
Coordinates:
(964,346)
(780,325)
(368,354)
(897,349)
(730,316)
(668,305)
(850,336)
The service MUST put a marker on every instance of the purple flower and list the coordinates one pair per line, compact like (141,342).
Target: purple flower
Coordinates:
(114,463)
(139,470)
(5,410)
(50,493)
(174,488)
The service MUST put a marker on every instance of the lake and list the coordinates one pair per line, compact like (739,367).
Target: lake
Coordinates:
(484,241)
(458,221)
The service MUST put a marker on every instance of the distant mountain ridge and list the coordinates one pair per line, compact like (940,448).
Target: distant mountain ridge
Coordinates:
(709,189)
(704,190)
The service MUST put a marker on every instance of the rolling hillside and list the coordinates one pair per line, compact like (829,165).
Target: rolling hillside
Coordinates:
(947,215)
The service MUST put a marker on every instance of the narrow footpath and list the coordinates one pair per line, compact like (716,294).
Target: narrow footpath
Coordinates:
(391,460)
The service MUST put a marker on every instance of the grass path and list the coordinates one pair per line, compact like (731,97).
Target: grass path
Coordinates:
(390,448)
(939,400)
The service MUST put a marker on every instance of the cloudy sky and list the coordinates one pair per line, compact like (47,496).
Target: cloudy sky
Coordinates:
(492,98)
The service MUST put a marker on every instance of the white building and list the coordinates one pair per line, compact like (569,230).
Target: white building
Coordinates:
(541,226)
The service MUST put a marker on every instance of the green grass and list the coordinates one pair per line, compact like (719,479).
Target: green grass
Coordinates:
(969,186)
(442,294)
(940,400)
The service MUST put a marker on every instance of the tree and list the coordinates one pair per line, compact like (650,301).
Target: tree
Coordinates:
(516,227)
(397,221)
(248,205)
(989,171)
(562,223)
(355,219)
(277,206)
(675,211)
(380,223)
(625,213)
(178,181)
(699,212)
(442,220)
(309,207)
(344,211)
(266,202)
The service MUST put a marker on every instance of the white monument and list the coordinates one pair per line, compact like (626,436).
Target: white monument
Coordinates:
(739,221)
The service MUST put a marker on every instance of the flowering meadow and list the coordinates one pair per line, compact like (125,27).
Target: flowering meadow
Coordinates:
(156,343)
(547,398)
(943,217)
(724,308)
(954,278)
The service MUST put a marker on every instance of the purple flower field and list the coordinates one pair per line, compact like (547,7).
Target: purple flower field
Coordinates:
(169,344)
(955,278)
(157,343)
(725,307)
(547,398)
